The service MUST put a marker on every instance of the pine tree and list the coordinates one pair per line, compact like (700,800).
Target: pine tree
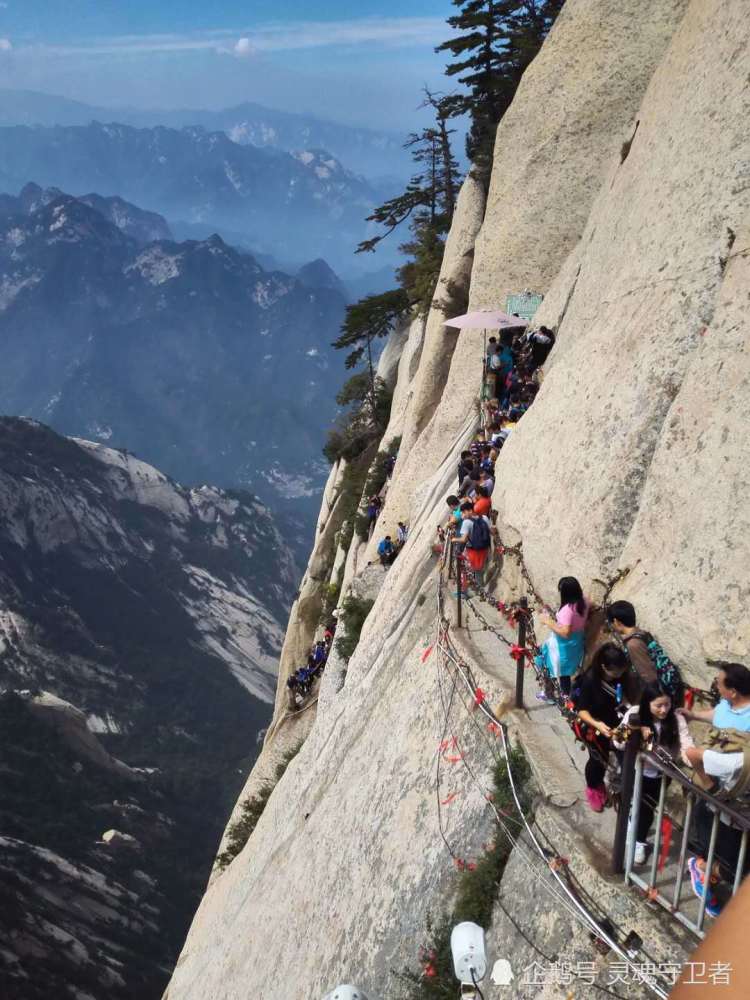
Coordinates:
(366,321)
(431,193)
(496,42)
(428,202)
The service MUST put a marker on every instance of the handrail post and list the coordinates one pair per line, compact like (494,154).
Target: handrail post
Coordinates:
(459,585)
(521,661)
(632,747)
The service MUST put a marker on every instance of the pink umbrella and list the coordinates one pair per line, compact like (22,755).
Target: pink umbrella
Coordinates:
(486,319)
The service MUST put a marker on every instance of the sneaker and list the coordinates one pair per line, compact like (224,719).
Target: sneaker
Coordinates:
(541,696)
(596,797)
(639,858)
(697,881)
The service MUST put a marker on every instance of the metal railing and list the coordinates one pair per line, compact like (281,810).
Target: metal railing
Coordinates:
(664,880)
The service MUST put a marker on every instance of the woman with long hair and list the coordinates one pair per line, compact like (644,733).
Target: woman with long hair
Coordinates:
(662,727)
(598,701)
(562,653)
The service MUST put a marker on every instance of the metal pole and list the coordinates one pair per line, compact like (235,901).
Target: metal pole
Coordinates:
(521,662)
(459,584)
(707,873)
(657,833)
(635,810)
(683,852)
(738,876)
(626,797)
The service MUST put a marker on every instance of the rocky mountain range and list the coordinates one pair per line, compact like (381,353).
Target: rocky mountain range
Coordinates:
(295,206)
(139,633)
(370,152)
(142,226)
(190,354)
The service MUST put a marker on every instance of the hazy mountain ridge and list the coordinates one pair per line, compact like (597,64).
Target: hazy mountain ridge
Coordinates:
(293,206)
(370,152)
(156,611)
(190,354)
(142,226)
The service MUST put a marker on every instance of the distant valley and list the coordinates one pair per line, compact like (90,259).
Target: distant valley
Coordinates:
(140,624)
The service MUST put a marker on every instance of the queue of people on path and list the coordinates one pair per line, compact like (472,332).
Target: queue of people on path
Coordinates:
(511,381)
(301,681)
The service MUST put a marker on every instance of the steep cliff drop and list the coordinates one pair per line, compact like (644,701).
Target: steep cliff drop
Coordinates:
(619,191)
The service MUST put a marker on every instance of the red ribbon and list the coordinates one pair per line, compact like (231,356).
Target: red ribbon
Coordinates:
(426,653)
(493,728)
(666,841)
(479,696)
(453,760)
(689,698)
(451,797)
(517,652)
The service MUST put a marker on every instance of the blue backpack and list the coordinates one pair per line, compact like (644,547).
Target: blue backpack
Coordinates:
(480,535)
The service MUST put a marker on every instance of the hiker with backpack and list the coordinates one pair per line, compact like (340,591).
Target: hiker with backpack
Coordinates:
(598,700)
(661,726)
(475,537)
(649,661)
(722,766)
(561,654)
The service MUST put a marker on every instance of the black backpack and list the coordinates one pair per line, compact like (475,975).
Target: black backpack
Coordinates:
(480,535)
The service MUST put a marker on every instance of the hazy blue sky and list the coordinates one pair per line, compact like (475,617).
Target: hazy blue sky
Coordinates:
(361,61)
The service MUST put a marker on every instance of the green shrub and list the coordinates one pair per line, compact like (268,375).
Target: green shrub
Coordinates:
(376,477)
(353,614)
(331,595)
(475,893)
(251,810)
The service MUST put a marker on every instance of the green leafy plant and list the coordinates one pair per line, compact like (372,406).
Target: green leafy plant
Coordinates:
(475,893)
(331,595)
(353,614)
(251,810)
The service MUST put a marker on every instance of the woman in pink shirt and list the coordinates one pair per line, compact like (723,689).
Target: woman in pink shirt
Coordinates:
(562,653)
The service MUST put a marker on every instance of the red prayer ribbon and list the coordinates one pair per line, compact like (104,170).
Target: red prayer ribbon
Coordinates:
(666,841)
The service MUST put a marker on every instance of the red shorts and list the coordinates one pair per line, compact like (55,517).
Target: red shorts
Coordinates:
(477,558)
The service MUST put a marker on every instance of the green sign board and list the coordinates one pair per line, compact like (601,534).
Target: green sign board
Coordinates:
(525,304)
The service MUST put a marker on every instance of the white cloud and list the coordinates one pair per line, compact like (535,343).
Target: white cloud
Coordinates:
(243,48)
(382,32)
(5,45)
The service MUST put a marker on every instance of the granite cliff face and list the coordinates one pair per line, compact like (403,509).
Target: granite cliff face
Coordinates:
(619,190)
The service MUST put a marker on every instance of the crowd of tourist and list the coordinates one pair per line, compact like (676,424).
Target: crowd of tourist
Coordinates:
(301,681)
(630,682)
